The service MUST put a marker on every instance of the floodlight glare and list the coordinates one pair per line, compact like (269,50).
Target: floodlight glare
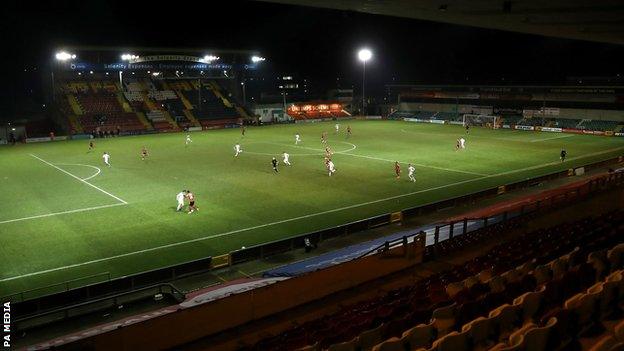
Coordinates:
(128,57)
(210,58)
(256,59)
(365,55)
(64,56)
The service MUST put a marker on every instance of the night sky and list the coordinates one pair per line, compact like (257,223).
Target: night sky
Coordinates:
(315,43)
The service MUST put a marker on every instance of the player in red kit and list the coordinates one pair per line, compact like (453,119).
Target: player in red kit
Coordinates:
(191,197)
(143,153)
(397,169)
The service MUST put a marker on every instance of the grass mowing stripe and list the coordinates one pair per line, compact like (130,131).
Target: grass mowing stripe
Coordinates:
(80,179)
(552,138)
(305,216)
(419,164)
(61,213)
(347,152)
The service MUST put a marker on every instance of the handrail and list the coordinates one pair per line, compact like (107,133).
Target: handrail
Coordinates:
(173,291)
(66,283)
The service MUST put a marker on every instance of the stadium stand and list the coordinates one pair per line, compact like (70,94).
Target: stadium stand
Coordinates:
(567,123)
(103,111)
(143,104)
(211,110)
(540,290)
(564,123)
(598,125)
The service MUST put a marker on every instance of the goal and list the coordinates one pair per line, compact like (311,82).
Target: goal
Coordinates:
(493,122)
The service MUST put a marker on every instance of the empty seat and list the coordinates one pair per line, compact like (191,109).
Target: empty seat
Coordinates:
(444,318)
(392,344)
(420,336)
(480,331)
(370,338)
(537,339)
(453,341)
(530,303)
(344,346)
(505,318)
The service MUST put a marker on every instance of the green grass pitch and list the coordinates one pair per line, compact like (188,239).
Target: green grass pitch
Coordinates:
(64,215)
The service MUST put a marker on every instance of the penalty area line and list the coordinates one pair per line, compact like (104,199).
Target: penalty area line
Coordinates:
(80,179)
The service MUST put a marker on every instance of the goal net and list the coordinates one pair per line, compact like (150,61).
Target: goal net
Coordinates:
(493,122)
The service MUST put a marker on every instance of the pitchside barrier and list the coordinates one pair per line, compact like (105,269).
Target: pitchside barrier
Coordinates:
(28,304)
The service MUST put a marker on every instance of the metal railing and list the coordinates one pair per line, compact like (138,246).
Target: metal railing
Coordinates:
(33,320)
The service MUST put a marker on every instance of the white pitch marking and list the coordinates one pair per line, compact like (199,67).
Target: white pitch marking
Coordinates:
(318,153)
(78,164)
(82,180)
(555,137)
(346,152)
(421,165)
(61,213)
(302,217)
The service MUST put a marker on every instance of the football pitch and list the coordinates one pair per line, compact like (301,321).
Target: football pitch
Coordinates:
(65,215)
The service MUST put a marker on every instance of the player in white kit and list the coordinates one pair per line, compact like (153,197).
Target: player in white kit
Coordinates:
(106,158)
(188,140)
(180,198)
(238,149)
(337,127)
(330,167)
(286,156)
(462,143)
(410,172)
(297,139)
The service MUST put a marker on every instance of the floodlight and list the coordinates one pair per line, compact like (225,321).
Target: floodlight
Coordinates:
(128,57)
(210,58)
(256,59)
(64,56)
(365,55)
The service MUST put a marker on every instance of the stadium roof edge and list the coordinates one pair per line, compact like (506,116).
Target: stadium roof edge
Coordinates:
(155,49)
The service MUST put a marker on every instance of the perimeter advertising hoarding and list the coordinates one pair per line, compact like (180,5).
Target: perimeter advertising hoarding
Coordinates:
(549,129)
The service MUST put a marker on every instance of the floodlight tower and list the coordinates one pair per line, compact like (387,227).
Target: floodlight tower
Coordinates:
(61,56)
(364,55)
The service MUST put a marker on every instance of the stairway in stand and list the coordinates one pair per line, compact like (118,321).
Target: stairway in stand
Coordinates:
(144,121)
(189,115)
(75,106)
(75,124)
(173,123)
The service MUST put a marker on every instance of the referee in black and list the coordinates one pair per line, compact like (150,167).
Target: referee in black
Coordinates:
(563,154)
(274,163)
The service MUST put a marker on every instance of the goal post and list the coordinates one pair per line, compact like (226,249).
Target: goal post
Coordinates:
(487,121)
